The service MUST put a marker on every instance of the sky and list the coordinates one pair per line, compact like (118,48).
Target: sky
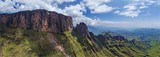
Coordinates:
(97,13)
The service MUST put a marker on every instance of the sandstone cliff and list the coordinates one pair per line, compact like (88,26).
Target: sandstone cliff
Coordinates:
(39,20)
(81,29)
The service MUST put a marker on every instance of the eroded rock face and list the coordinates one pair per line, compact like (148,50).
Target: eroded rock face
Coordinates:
(39,20)
(82,29)
(119,37)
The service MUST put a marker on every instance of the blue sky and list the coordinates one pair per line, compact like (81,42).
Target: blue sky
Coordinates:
(98,13)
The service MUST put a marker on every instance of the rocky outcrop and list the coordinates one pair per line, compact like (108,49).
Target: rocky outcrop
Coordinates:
(81,29)
(39,20)
(119,38)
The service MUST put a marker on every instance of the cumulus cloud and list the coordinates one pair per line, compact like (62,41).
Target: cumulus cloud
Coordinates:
(128,13)
(98,6)
(74,10)
(130,7)
(77,10)
(134,8)
(102,9)
(62,1)
(131,10)
(11,6)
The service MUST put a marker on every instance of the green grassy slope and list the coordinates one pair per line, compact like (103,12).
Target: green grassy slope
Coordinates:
(20,43)
(154,50)
(29,43)
(125,48)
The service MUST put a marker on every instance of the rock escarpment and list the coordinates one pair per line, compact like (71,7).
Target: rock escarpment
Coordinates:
(39,20)
(81,29)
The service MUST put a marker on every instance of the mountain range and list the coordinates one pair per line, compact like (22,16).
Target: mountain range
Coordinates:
(42,33)
(143,34)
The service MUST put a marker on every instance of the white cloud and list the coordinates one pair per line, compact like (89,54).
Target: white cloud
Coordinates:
(131,10)
(9,5)
(98,6)
(102,9)
(95,2)
(135,7)
(130,7)
(74,10)
(77,11)
(130,13)
(143,7)
(62,1)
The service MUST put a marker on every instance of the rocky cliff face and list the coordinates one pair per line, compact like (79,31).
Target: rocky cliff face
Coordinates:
(39,20)
(81,29)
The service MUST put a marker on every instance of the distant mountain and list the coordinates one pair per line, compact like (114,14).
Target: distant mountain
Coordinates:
(139,33)
(99,30)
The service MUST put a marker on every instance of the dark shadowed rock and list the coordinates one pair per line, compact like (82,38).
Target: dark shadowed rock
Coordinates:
(39,20)
(119,37)
(82,29)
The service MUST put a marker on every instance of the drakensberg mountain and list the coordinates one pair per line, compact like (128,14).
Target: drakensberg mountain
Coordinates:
(39,20)
(41,33)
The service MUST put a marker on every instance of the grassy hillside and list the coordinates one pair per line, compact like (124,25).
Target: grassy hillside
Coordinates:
(19,43)
(29,43)
(154,50)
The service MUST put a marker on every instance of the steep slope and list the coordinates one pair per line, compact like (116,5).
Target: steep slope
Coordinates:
(109,45)
(41,33)
(144,34)
(39,20)
(154,50)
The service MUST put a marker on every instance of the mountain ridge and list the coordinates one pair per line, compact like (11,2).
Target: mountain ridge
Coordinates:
(64,41)
(39,20)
